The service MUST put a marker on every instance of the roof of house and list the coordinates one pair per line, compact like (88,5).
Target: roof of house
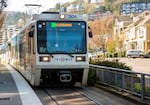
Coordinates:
(144,21)
(124,18)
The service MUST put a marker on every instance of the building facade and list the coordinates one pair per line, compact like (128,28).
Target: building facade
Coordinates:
(134,7)
(135,35)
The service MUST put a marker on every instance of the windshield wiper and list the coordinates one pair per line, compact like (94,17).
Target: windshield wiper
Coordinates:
(64,52)
(51,55)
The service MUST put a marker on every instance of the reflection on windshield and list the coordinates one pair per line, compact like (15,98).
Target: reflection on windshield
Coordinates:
(62,39)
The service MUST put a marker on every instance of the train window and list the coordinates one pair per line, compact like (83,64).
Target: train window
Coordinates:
(31,40)
(31,32)
(29,45)
(61,37)
(21,50)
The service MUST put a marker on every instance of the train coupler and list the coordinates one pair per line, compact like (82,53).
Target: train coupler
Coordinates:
(65,76)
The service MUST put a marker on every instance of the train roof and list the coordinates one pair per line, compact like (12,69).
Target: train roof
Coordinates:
(58,16)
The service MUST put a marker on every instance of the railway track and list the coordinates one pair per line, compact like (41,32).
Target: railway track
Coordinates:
(65,96)
(78,96)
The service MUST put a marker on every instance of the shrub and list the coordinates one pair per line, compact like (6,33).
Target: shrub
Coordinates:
(113,63)
(92,77)
(137,87)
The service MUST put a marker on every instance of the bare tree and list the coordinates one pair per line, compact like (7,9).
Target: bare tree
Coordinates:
(2,18)
(101,28)
(2,14)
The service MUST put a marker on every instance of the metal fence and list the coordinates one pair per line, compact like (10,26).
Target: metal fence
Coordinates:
(133,82)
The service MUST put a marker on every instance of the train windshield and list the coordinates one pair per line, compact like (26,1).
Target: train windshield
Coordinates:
(61,37)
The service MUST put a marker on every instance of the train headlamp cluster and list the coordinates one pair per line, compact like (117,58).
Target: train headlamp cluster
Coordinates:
(80,58)
(62,16)
(45,58)
(48,58)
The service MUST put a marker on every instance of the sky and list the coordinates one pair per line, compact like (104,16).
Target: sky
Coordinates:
(19,5)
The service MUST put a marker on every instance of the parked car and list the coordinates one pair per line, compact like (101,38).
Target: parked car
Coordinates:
(136,54)
(92,55)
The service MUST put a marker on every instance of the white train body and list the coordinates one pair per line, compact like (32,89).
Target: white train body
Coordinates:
(51,49)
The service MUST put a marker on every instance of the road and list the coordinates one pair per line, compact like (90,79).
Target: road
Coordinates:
(141,65)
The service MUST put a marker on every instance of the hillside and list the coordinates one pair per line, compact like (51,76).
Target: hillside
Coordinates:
(13,17)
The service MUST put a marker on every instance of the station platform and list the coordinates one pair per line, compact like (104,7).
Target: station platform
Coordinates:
(14,90)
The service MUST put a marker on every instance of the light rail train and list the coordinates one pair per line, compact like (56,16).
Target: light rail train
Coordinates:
(51,49)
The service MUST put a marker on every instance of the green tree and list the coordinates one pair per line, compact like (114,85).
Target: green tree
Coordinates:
(57,6)
(110,45)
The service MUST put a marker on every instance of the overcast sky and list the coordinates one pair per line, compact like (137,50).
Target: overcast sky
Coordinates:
(19,5)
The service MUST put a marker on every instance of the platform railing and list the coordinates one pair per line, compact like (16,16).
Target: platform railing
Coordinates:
(125,80)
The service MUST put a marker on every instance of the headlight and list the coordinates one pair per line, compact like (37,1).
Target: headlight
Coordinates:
(62,16)
(80,58)
(44,58)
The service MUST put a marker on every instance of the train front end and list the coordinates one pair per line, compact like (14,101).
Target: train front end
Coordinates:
(62,50)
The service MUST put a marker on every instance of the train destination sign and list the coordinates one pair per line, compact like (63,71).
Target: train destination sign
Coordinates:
(54,24)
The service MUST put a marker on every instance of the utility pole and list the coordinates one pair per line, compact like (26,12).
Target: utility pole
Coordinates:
(33,8)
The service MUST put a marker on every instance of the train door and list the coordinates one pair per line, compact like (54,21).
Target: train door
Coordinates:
(29,57)
(21,52)
(26,58)
(31,46)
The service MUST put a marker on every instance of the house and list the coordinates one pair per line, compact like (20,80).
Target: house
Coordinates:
(121,23)
(135,35)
